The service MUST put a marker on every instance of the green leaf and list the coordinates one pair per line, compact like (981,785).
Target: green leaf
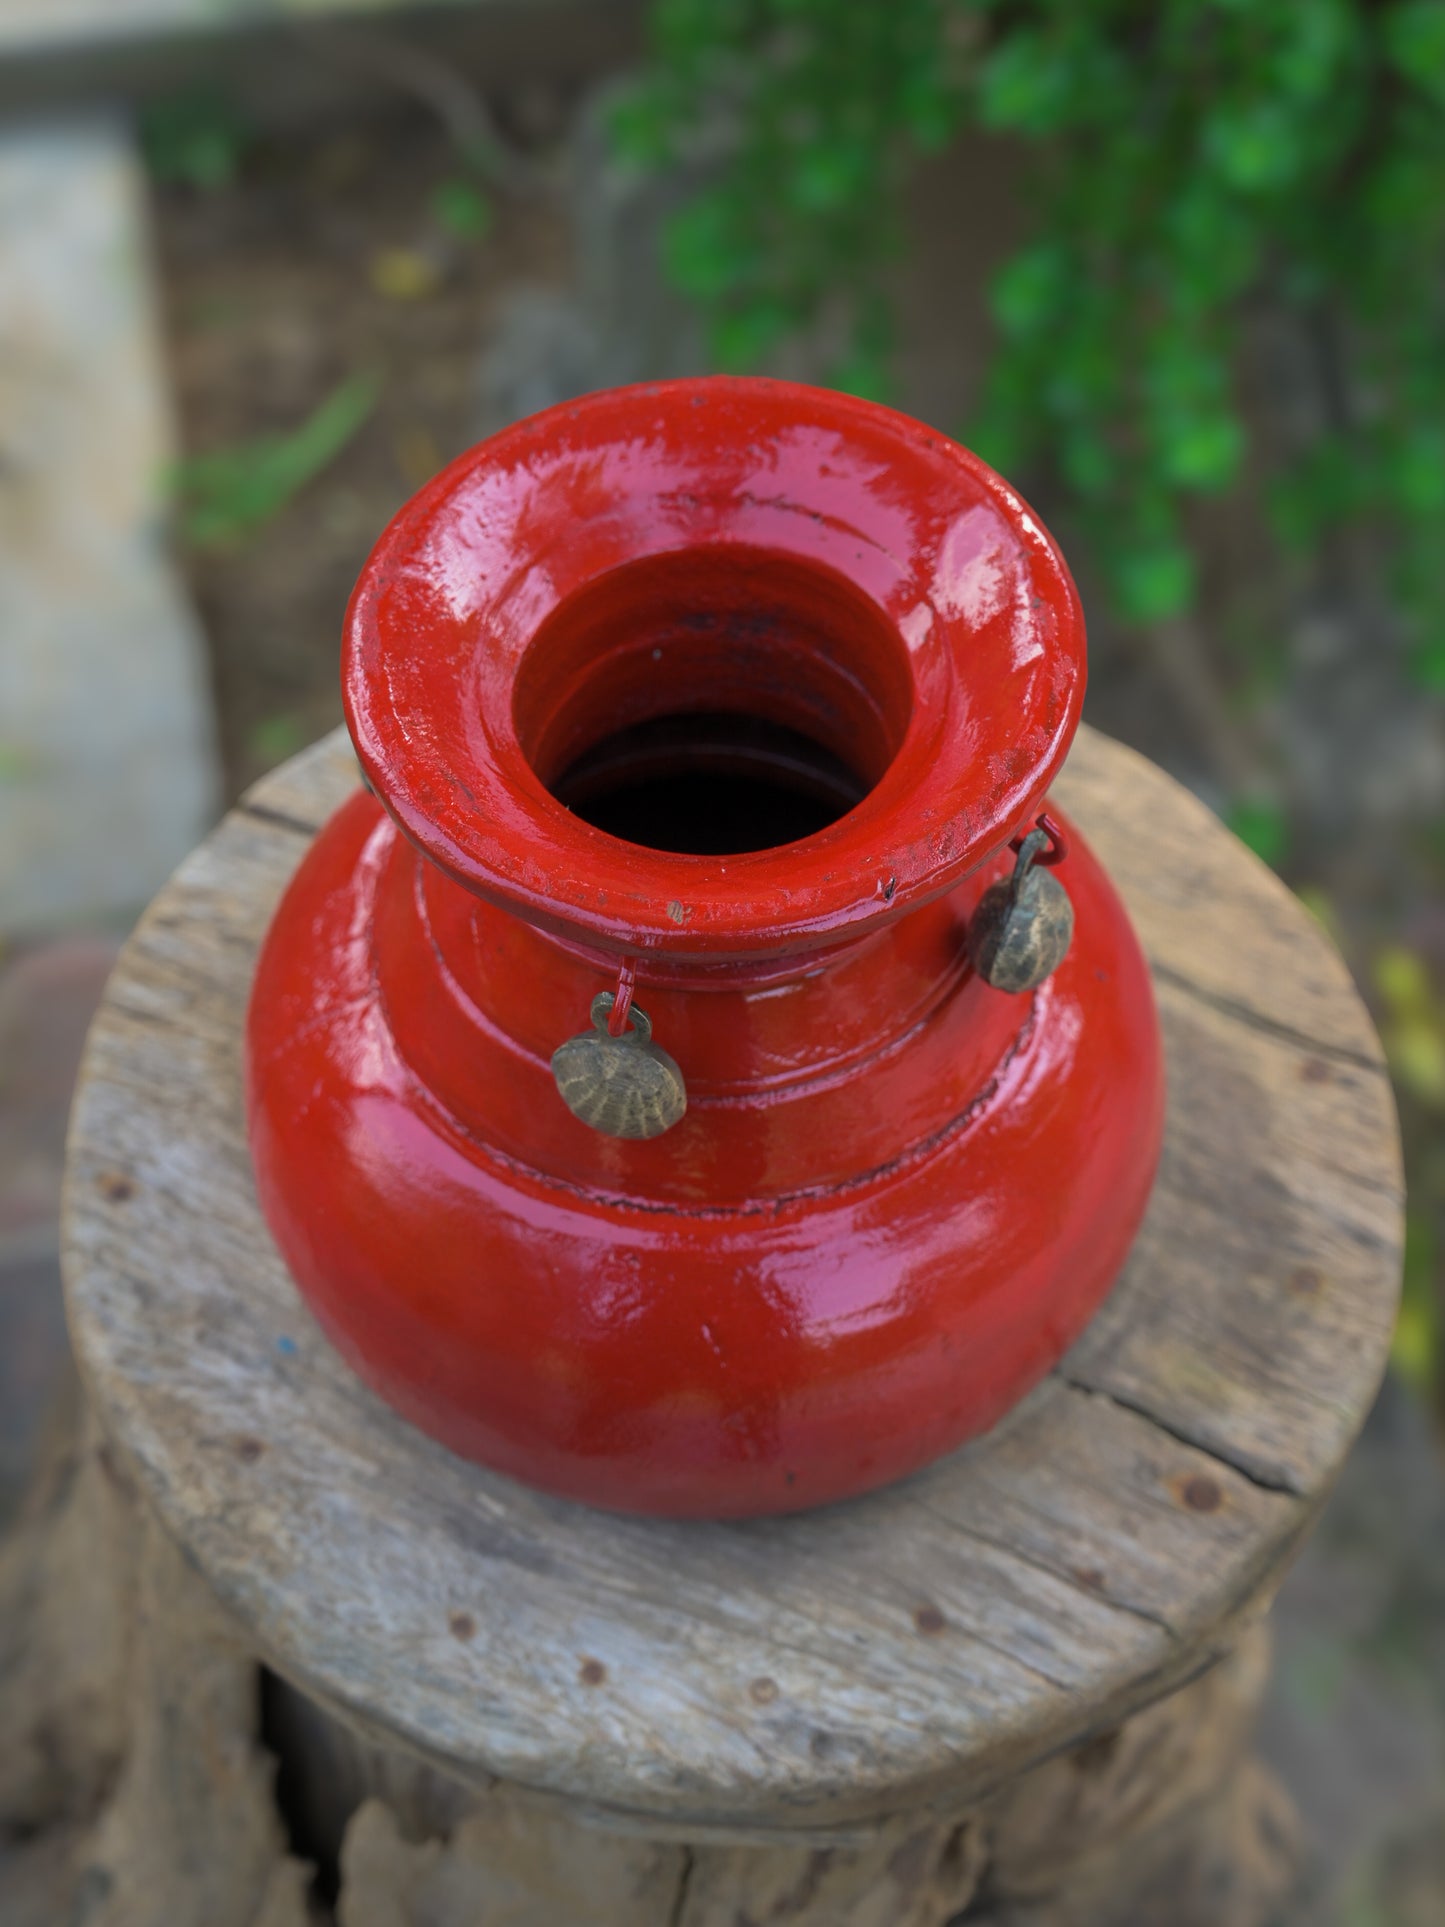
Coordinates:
(1027,292)
(1203,453)
(1181,372)
(744,337)
(1417,469)
(195,139)
(277,737)
(1415,1345)
(827,178)
(1152,583)
(1427,662)
(1024,84)
(1088,462)
(928,112)
(702,251)
(233,491)
(1321,907)
(1415,1048)
(863,374)
(641,128)
(1415,1352)
(1317,40)
(1403,981)
(1415,41)
(1261,825)
(462,209)
(995,434)
(1214,243)
(1255,146)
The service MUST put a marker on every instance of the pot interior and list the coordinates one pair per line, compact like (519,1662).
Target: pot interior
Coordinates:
(712,783)
(713,703)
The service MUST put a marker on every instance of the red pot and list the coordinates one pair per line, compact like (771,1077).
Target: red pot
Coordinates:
(802,669)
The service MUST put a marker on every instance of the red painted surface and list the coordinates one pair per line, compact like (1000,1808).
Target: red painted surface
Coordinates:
(897,1194)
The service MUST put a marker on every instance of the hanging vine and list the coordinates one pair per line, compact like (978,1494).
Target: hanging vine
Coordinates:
(1190,156)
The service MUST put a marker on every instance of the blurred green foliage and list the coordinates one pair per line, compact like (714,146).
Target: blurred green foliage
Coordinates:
(225,495)
(194,139)
(1260,823)
(1190,157)
(276,737)
(461,209)
(1413,1030)
(1194,164)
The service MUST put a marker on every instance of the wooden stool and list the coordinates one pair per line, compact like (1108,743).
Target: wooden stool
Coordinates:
(1015,1688)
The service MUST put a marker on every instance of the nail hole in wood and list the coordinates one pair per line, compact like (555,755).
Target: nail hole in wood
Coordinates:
(1200,1493)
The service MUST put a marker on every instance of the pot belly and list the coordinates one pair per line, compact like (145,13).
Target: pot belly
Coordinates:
(693,1360)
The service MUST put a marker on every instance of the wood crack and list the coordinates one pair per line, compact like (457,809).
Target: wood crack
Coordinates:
(1059,1573)
(1267,1026)
(679,1902)
(134,1014)
(267,813)
(1267,1478)
(968,1631)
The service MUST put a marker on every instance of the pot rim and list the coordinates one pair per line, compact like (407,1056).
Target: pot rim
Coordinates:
(980,607)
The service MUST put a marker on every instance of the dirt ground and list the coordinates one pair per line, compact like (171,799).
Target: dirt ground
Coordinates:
(323,260)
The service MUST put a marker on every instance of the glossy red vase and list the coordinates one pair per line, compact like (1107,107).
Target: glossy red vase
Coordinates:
(730,696)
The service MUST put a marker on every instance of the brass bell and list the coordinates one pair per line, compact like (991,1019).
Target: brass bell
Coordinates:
(624,1086)
(1022,928)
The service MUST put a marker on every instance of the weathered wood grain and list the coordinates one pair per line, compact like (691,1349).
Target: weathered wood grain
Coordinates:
(1162,1818)
(821,1673)
(133,1787)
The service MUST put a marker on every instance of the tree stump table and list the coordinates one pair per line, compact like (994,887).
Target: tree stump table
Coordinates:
(1015,1688)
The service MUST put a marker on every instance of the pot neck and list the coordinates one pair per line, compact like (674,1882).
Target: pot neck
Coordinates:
(801,1069)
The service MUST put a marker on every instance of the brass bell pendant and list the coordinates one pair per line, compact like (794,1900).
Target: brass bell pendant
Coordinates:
(1024,923)
(624,1086)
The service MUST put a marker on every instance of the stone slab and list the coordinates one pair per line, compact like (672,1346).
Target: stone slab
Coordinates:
(107,765)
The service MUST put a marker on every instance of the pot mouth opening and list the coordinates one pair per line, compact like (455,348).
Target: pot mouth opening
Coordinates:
(815,603)
(714,702)
(711,783)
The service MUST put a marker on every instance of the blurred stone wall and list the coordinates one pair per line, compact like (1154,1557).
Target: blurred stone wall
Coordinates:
(106,761)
